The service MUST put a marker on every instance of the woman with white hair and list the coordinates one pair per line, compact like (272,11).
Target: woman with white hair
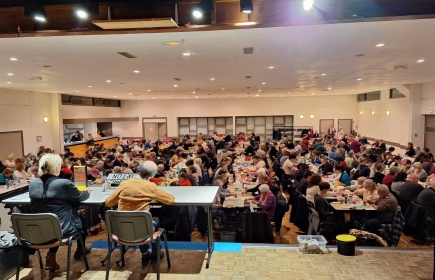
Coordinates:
(60,197)
(266,201)
(369,193)
(421,173)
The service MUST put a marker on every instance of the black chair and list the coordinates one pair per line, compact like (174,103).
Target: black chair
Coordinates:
(256,228)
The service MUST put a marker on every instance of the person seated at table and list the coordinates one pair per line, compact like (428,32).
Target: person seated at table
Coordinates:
(93,173)
(266,201)
(341,176)
(339,155)
(10,162)
(379,175)
(100,166)
(389,178)
(33,172)
(20,168)
(160,171)
(62,199)
(410,152)
(249,151)
(417,168)
(368,192)
(183,181)
(65,172)
(316,157)
(127,156)
(304,182)
(325,168)
(192,176)
(427,199)
(137,194)
(118,161)
(125,168)
(363,170)
(313,187)
(332,152)
(177,158)
(407,166)
(321,204)
(7,175)
(411,188)
(385,207)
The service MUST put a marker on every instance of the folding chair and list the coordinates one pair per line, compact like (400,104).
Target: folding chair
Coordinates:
(133,228)
(43,231)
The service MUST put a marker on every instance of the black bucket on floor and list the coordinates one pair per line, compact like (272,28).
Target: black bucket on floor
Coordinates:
(227,236)
(346,244)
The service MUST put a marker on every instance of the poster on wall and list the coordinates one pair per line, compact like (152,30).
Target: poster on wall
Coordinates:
(80,177)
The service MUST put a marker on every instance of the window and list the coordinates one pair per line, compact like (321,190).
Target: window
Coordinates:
(395,93)
(369,96)
(89,101)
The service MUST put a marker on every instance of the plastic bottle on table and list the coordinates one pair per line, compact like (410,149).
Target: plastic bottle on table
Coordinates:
(24,176)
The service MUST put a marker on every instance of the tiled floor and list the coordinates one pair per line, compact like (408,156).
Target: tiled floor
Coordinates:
(258,264)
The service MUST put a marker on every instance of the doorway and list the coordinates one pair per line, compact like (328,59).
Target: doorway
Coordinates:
(346,124)
(324,125)
(154,128)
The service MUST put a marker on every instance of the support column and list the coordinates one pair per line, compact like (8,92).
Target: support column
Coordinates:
(416,124)
(57,122)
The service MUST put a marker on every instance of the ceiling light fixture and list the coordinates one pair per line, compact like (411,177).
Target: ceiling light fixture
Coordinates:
(359,79)
(186,54)
(139,99)
(360,112)
(10,74)
(246,6)
(9,82)
(330,88)
(301,116)
(307,4)
(373,113)
(196,96)
(245,23)
(136,71)
(351,90)
(323,74)
(77,91)
(380,45)
(154,97)
(288,92)
(311,116)
(203,6)
(257,95)
(193,92)
(271,67)
(420,60)
(263,83)
(109,81)
(212,79)
(13,59)
(148,90)
(175,85)
(312,93)
(36,11)
(82,11)
(114,96)
(89,86)
(45,119)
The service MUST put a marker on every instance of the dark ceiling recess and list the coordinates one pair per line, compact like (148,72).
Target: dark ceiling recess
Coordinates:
(61,16)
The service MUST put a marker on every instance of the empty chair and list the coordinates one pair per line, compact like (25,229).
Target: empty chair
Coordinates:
(133,228)
(43,231)
(256,228)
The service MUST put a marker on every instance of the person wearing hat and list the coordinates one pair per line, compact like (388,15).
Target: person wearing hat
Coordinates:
(266,201)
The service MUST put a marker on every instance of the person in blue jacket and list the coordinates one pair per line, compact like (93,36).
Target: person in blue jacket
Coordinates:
(343,176)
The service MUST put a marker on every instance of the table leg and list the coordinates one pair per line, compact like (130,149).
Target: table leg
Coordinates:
(210,236)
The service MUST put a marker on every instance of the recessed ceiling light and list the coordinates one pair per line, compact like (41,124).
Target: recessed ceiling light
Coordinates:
(351,90)
(312,93)
(288,91)
(420,60)
(271,67)
(330,88)
(323,74)
(193,92)
(114,96)
(185,98)
(259,90)
(139,99)
(136,71)
(77,91)
(129,93)
(148,90)
(196,96)
(186,54)
(380,45)
(109,81)
(175,85)
(154,97)
(263,83)
(257,95)
(9,82)
(89,86)
(13,58)
(10,74)
(171,95)
(359,79)
(212,79)
(311,116)
(280,96)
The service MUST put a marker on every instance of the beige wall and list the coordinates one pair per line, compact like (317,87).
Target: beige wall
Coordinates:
(23,110)
(327,107)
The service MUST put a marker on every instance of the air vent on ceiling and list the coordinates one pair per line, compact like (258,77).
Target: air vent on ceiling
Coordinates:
(248,77)
(316,77)
(127,55)
(35,78)
(325,89)
(249,50)
(360,55)
(177,79)
(400,67)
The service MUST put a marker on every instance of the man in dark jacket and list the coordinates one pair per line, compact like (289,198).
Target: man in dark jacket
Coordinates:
(411,188)
(427,199)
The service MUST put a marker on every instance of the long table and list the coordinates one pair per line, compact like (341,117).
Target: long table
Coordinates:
(184,196)
(79,148)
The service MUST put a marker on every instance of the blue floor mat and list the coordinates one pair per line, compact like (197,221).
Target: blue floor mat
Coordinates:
(227,247)
(173,245)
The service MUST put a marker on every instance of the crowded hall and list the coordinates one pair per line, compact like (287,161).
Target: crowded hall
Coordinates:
(217,139)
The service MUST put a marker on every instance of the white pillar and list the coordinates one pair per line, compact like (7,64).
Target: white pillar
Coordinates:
(416,124)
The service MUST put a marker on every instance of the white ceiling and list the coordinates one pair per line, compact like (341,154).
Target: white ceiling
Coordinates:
(298,53)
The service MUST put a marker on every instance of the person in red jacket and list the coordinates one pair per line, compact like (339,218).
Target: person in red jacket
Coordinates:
(389,178)
(182,180)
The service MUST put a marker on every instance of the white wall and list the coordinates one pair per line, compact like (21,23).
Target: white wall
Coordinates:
(428,98)
(127,129)
(393,128)
(90,128)
(22,110)
(325,107)
(83,112)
